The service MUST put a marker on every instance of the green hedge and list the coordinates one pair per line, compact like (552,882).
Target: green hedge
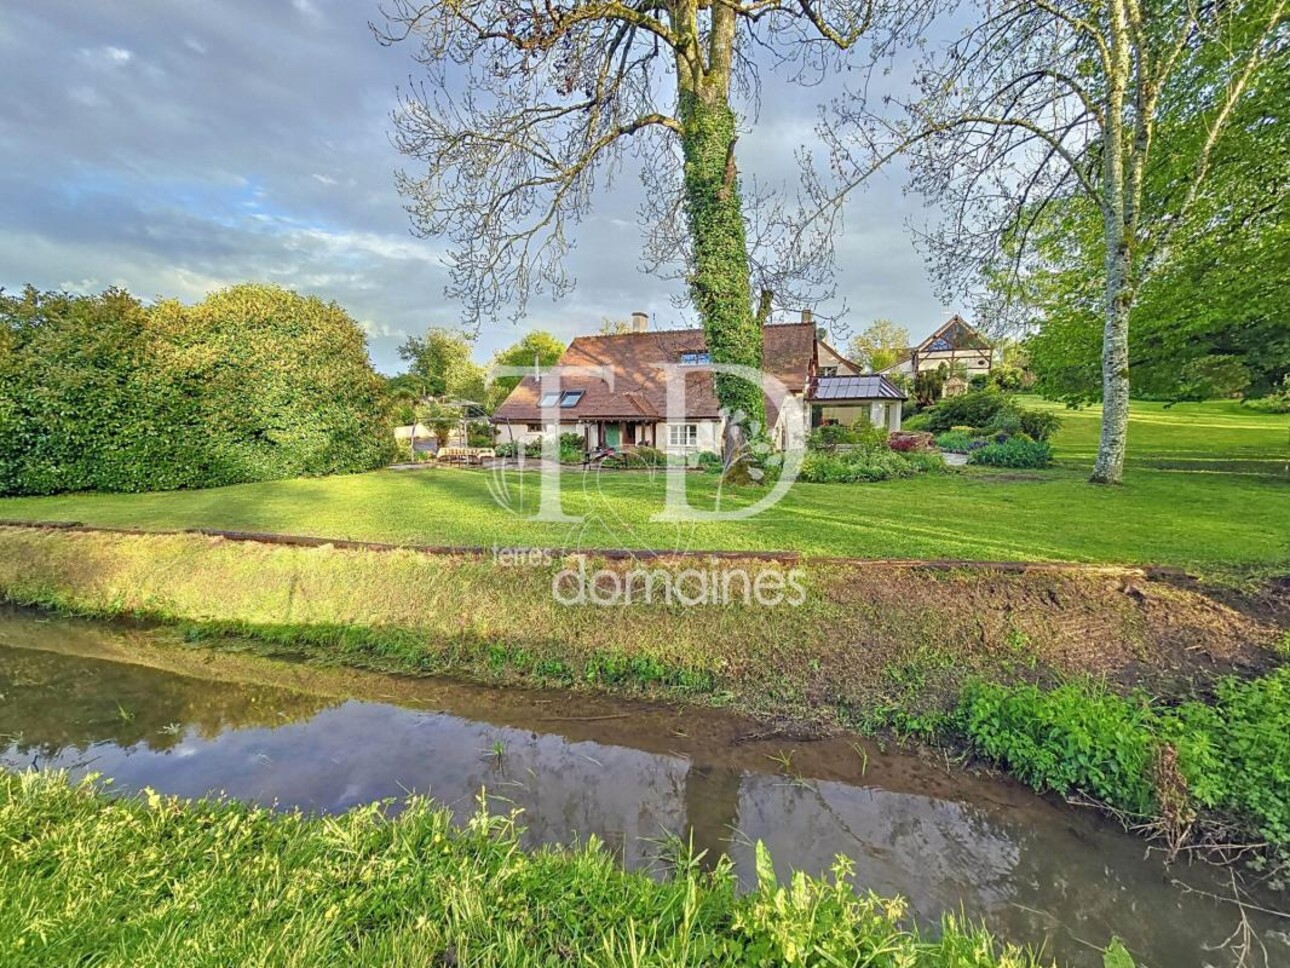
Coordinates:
(254,383)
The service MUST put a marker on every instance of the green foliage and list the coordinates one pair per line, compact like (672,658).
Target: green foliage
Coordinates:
(441,359)
(253,383)
(370,888)
(442,418)
(539,345)
(709,462)
(573,448)
(879,345)
(1075,737)
(1211,320)
(956,441)
(866,464)
(1234,755)
(928,385)
(643,457)
(1278,401)
(719,278)
(829,437)
(1014,452)
(1039,424)
(973,409)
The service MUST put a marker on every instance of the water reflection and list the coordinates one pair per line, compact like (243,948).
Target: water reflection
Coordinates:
(577,766)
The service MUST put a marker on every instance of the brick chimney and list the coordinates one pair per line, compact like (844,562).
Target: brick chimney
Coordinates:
(640,322)
(807,316)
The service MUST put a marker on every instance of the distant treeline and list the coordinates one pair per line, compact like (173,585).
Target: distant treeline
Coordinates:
(253,383)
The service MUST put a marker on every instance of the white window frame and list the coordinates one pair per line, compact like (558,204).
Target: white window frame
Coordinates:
(554,397)
(687,430)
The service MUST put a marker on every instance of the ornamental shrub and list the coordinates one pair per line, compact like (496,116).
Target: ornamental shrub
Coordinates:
(1019,452)
(1039,424)
(640,457)
(955,441)
(855,466)
(972,409)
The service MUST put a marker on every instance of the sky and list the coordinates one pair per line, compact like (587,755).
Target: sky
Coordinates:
(174,147)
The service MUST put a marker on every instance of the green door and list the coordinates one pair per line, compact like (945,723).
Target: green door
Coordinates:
(613,436)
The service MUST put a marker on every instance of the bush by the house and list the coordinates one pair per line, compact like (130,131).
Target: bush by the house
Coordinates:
(573,448)
(831,437)
(709,462)
(988,411)
(973,409)
(507,448)
(253,383)
(480,434)
(1019,451)
(637,458)
(854,466)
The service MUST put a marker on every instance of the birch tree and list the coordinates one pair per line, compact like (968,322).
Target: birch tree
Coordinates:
(527,108)
(1039,101)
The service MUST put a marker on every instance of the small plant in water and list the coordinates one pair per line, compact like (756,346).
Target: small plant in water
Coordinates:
(785,760)
(497,750)
(171,729)
(863,753)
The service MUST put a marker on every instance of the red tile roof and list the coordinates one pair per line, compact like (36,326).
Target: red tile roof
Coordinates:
(634,387)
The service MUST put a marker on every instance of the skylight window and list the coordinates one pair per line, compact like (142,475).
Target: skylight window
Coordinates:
(569,399)
(549,398)
(696,359)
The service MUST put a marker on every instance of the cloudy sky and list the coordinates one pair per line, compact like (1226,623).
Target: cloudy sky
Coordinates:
(176,146)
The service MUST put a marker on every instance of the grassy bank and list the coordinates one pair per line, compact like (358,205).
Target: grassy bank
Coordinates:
(1206,488)
(155,880)
(866,639)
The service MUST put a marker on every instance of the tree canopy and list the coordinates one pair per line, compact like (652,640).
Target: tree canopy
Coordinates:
(528,109)
(879,345)
(441,361)
(538,346)
(1110,105)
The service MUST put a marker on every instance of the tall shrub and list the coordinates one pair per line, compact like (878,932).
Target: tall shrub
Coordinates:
(253,383)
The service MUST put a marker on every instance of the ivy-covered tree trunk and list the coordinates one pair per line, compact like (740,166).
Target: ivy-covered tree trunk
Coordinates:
(720,280)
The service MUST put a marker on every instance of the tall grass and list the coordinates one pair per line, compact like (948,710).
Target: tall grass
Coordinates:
(153,880)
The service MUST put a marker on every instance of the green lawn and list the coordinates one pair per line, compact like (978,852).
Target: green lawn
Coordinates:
(1236,513)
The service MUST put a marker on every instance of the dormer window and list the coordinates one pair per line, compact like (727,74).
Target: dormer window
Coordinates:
(828,371)
(698,358)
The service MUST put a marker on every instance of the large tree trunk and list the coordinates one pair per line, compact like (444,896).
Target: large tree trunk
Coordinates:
(1109,466)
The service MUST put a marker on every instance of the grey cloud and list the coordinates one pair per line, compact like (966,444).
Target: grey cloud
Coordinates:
(173,147)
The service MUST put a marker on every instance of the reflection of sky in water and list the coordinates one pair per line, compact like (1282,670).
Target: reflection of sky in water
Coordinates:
(1040,874)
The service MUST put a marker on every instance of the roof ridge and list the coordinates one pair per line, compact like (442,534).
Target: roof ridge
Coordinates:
(688,329)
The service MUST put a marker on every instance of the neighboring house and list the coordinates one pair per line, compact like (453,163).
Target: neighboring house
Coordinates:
(623,400)
(954,344)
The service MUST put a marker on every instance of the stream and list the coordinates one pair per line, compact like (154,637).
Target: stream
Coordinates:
(141,707)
